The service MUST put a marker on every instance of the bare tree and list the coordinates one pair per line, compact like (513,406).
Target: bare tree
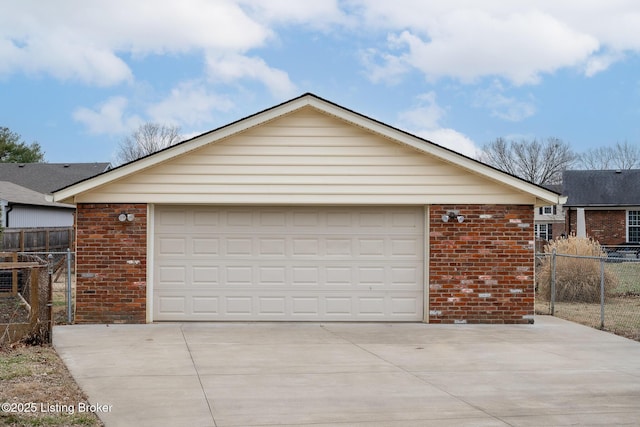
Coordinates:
(540,162)
(147,139)
(621,156)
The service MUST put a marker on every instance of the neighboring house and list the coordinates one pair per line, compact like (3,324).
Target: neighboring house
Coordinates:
(29,220)
(21,207)
(603,204)
(306,211)
(46,177)
(550,220)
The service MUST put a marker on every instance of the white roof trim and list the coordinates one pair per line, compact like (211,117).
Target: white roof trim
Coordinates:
(542,195)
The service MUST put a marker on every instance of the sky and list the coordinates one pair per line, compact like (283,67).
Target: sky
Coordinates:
(79,76)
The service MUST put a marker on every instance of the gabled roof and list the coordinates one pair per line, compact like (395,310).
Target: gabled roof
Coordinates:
(602,187)
(47,177)
(16,194)
(542,195)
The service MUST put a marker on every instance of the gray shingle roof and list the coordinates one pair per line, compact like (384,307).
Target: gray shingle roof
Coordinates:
(17,194)
(602,187)
(47,177)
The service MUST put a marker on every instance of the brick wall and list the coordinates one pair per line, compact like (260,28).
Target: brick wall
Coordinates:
(111,264)
(482,270)
(609,227)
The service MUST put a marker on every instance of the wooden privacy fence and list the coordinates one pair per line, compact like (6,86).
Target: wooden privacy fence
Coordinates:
(37,239)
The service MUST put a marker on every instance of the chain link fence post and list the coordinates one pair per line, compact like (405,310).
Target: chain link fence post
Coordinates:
(69,319)
(553,281)
(50,297)
(602,293)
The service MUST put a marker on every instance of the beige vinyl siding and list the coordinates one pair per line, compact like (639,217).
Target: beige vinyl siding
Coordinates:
(306,157)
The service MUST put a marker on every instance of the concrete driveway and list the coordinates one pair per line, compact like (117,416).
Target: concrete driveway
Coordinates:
(552,373)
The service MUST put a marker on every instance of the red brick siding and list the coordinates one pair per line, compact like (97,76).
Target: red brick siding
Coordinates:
(111,264)
(481,270)
(609,227)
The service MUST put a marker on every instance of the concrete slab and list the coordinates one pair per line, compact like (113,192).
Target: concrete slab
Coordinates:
(359,374)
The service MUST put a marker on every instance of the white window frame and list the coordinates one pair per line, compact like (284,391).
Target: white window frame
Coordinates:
(538,231)
(633,224)
(547,210)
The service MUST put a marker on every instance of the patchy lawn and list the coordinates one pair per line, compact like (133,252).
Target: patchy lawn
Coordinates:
(37,390)
(621,314)
(621,308)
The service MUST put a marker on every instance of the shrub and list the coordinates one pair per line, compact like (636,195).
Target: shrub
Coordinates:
(577,279)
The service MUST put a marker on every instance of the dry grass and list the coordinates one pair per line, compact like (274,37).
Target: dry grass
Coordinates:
(621,308)
(622,314)
(577,279)
(36,375)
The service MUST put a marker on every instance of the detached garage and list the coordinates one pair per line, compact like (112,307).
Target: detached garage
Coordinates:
(305,212)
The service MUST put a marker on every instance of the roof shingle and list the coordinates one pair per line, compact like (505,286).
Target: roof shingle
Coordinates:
(602,187)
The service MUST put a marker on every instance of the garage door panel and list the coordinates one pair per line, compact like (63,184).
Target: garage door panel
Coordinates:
(205,275)
(305,276)
(205,218)
(293,263)
(271,306)
(176,275)
(406,306)
(271,276)
(172,305)
(206,305)
(169,246)
(205,246)
(272,247)
(239,275)
(305,306)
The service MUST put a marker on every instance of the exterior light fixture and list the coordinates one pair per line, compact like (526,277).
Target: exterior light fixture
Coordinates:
(126,217)
(452,215)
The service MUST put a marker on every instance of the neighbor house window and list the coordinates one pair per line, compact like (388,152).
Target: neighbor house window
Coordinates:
(543,231)
(633,226)
(548,210)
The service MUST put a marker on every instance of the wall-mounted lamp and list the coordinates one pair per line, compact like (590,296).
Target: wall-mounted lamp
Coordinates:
(126,217)
(452,215)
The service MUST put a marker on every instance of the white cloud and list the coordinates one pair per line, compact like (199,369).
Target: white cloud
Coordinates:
(86,40)
(451,139)
(503,106)
(319,14)
(424,120)
(189,103)
(517,41)
(93,42)
(468,45)
(426,115)
(232,67)
(108,117)
(598,63)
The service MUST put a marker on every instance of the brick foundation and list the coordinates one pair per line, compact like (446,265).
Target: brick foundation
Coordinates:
(481,270)
(111,264)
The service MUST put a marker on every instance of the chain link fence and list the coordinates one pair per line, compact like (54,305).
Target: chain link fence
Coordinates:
(24,313)
(35,293)
(61,267)
(601,292)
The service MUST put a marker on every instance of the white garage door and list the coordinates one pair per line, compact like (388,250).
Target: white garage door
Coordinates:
(288,263)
